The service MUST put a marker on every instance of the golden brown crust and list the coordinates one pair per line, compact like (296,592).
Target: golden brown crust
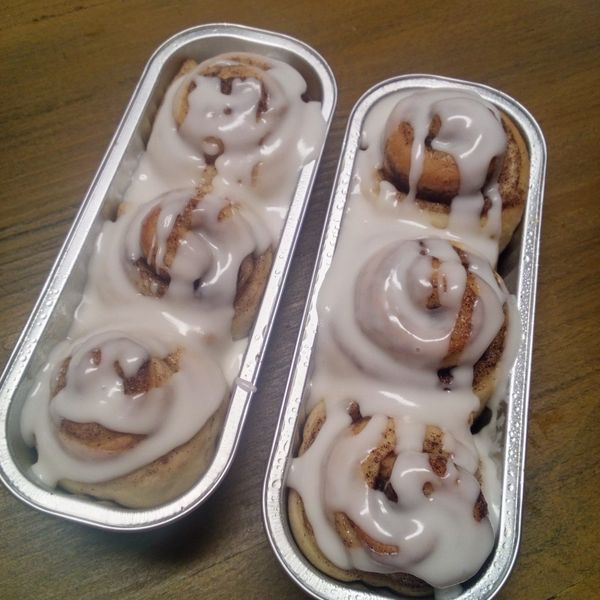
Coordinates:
(96,439)
(461,333)
(514,195)
(433,445)
(440,180)
(485,370)
(164,479)
(188,65)
(440,177)
(252,280)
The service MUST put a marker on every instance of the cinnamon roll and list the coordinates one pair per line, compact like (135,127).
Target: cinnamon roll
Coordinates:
(242,112)
(421,312)
(416,331)
(193,244)
(460,159)
(122,416)
(130,406)
(387,499)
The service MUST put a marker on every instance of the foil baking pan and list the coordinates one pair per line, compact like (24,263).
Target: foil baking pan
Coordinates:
(518,266)
(52,315)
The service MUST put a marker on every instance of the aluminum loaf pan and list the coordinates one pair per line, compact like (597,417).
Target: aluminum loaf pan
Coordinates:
(518,266)
(52,315)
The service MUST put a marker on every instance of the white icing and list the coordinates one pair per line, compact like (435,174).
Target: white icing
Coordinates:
(195,314)
(168,415)
(252,139)
(471,132)
(295,135)
(381,347)
(208,257)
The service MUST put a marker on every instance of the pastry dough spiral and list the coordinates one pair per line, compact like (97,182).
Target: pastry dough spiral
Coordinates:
(122,416)
(424,309)
(392,497)
(192,244)
(457,156)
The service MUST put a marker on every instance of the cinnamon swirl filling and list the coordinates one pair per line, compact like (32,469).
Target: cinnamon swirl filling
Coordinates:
(232,106)
(195,245)
(394,494)
(424,307)
(444,148)
(126,419)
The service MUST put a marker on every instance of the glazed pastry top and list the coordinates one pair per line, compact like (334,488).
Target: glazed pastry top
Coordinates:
(206,206)
(405,312)
(109,379)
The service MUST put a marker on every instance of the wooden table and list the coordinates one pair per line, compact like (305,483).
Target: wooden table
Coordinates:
(68,69)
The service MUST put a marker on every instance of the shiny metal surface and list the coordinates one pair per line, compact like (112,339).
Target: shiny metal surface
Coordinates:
(51,317)
(518,266)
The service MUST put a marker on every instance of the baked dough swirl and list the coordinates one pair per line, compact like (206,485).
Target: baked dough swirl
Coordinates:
(185,263)
(416,332)
(237,114)
(193,244)
(425,306)
(122,416)
(385,499)
(460,159)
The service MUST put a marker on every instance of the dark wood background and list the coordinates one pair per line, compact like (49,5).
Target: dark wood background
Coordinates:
(67,71)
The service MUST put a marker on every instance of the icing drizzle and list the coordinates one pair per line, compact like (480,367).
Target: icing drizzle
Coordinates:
(387,312)
(256,153)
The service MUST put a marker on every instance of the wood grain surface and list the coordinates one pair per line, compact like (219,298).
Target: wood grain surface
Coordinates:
(68,69)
